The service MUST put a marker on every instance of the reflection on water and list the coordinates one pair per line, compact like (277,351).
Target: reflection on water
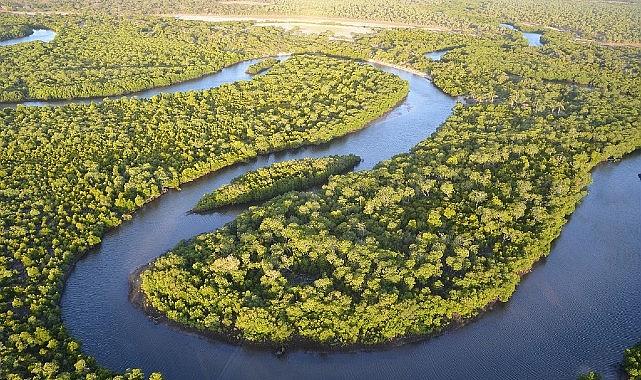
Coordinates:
(44,35)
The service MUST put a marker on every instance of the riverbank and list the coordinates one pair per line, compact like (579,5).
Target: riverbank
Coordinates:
(137,298)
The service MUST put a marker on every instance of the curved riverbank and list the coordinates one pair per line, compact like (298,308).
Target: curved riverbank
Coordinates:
(410,123)
(557,324)
(137,298)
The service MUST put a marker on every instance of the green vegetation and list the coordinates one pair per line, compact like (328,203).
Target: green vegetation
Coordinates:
(67,174)
(261,66)
(598,20)
(266,183)
(632,362)
(139,54)
(13,27)
(423,241)
(590,376)
(80,62)
(430,238)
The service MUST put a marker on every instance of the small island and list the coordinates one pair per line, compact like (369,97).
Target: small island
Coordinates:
(261,66)
(279,178)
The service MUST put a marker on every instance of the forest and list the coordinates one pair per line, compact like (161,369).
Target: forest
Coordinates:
(266,183)
(607,21)
(422,242)
(81,63)
(70,173)
(408,248)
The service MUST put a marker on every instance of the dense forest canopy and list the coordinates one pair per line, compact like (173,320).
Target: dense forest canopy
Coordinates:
(422,241)
(615,21)
(81,62)
(69,173)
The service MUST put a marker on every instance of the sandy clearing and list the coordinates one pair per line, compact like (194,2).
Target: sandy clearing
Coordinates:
(306,20)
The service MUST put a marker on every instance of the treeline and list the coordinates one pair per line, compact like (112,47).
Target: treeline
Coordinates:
(261,66)
(67,174)
(598,20)
(266,183)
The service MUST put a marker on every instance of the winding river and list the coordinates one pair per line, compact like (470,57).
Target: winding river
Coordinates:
(577,311)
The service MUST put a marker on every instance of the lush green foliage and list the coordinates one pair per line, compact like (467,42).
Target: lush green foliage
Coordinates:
(429,238)
(509,167)
(261,66)
(632,362)
(266,183)
(590,376)
(138,54)
(69,173)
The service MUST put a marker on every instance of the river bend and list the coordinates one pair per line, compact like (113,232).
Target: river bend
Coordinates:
(576,311)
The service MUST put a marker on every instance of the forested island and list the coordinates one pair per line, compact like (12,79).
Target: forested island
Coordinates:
(425,241)
(276,179)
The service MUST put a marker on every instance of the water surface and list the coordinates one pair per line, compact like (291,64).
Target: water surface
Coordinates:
(44,35)
(232,73)
(437,54)
(533,39)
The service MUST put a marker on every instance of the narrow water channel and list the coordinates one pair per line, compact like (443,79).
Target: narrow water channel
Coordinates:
(228,74)
(533,39)
(578,310)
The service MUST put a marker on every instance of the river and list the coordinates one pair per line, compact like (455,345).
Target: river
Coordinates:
(44,35)
(576,311)
(228,74)
(533,39)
